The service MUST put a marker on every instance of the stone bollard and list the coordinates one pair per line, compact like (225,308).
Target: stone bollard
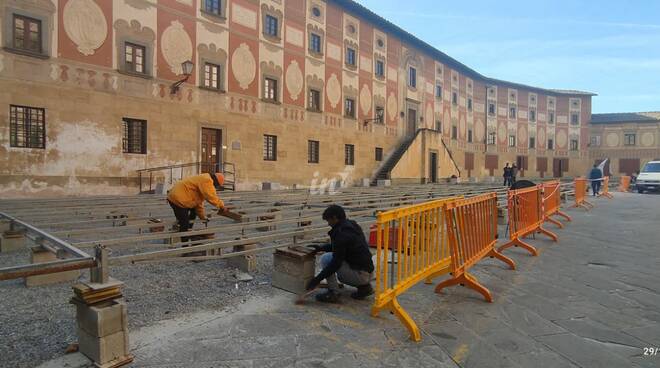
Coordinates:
(12,240)
(41,255)
(293,268)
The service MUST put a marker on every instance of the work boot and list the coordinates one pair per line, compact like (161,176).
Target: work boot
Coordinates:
(329,296)
(362,292)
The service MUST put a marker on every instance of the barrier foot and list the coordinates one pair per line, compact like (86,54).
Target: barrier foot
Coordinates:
(564,215)
(495,254)
(394,306)
(556,222)
(552,235)
(607,195)
(519,243)
(468,281)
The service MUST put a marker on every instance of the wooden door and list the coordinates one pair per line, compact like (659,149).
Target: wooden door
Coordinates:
(211,149)
(412,122)
(556,168)
(433,162)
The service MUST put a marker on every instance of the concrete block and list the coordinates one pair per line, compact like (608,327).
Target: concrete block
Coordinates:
(247,263)
(102,320)
(40,255)
(5,225)
(384,183)
(366,182)
(103,349)
(275,215)
(292,269)
(12,241)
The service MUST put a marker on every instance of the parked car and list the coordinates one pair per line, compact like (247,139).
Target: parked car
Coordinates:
(649,177)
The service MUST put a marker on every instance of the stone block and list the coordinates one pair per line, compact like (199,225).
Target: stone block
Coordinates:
(384,183)
(103,349)
(12,241)
(40,255)
(293,268)
(102,320)
(247,263)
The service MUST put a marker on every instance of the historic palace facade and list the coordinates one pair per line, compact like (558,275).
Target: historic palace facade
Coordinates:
(289,91)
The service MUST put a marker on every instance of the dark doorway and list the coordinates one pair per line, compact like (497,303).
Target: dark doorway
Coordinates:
(522,165)
(412,122)
(433,168)
(211,149)
(559,167)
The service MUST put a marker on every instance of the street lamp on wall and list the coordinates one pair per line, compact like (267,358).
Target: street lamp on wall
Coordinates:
(186,67)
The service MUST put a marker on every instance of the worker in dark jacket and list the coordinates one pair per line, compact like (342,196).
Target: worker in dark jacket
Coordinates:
(507,175)
(348,257)
(595,175)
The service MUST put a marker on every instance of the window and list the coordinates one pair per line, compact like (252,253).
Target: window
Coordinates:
(316,12)
(469,135)
(551,144)
(380,68)
(575,118)
(213,6)
(629,139)
(135,136)
(469,104)
(438,125)
(349,157)
(270,89)
(551,117)
(532,142)
(574,144)
(270,147)
(27,127)
(438,91)
(380,115)
(27,34)
(412,77)
(315,43)
(512,112)
(349,108)
(454,132)
(492,136)
(594,141)
(313,152)
(512,140)
(532,115)
(350,56)
(379,154)
(491,109)
(134,58)
(212,76)
(271,26)
(454,98)
(314,100)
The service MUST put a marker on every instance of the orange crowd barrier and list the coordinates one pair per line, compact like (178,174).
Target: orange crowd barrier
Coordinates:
(605,190)
(411,245)
(472,229)
(581,194)
(552,203)
(525,217)
(624,184)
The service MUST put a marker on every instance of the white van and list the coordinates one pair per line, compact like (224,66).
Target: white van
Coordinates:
(649,177)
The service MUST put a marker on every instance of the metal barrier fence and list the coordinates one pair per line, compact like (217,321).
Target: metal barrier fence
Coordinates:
(411,245)
(552,203)
(525,217)
(605,192)
(624,184)
(581,194)
(472,230)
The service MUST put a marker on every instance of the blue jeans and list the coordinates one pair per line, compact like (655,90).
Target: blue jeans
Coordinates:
(595,187)
(346,274)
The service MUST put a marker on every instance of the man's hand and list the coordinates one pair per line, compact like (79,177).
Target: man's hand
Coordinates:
(222,210)
(316,247)
(312,284)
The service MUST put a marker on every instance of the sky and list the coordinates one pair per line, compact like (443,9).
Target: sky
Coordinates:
(608,47)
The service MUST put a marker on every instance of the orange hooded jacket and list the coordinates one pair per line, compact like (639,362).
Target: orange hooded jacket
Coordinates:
(192,191)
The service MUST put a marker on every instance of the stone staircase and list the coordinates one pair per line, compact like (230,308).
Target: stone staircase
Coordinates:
(384,171)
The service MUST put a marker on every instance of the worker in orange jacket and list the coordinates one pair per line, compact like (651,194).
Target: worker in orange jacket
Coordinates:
(188,195)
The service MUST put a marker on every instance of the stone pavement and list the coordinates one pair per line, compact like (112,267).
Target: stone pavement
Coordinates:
(591,300)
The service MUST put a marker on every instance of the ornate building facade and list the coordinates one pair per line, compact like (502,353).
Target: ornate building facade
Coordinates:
(288,90)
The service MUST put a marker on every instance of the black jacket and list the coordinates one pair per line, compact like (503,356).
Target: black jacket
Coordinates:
(347,244)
